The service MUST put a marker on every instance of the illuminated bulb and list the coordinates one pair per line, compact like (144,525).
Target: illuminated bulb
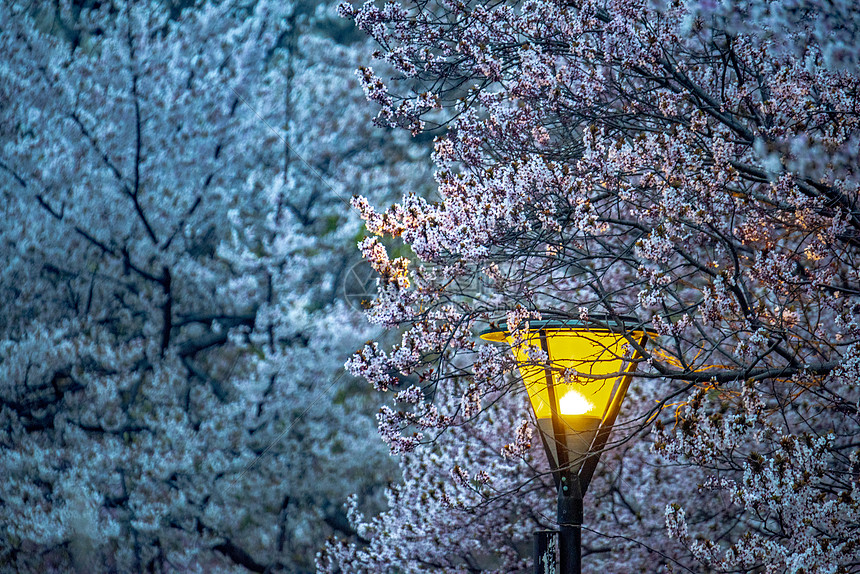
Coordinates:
(573,403)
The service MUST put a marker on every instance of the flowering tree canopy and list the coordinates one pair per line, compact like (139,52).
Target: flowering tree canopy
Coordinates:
(690,164)
(174,239)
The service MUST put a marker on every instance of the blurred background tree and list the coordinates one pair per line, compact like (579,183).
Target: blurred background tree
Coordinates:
(176,241)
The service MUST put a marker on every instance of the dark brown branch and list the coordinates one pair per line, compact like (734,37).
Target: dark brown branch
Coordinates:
(167,310)
(239,556)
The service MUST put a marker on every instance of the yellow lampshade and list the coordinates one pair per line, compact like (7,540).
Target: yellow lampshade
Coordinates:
(582,382)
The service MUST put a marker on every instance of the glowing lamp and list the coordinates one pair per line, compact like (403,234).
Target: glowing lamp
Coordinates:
(576,374)
(578,388)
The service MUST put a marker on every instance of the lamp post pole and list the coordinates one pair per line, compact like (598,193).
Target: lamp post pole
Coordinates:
(574,421)
(569,520)
(569,528)
(569,511)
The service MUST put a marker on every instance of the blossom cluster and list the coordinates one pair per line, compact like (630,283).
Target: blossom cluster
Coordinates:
(689,166)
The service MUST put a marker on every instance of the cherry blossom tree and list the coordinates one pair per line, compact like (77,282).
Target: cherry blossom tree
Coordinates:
(175,180)
(689,164)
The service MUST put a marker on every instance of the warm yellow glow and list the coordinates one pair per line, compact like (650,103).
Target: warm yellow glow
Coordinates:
(573,403)
(586,365)
(593,355)
(585,369)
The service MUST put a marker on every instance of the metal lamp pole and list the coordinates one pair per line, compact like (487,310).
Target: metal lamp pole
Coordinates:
(573,485)
(580,344)
(569,529)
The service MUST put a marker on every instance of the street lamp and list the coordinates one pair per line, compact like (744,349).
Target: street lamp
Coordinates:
(576,394)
